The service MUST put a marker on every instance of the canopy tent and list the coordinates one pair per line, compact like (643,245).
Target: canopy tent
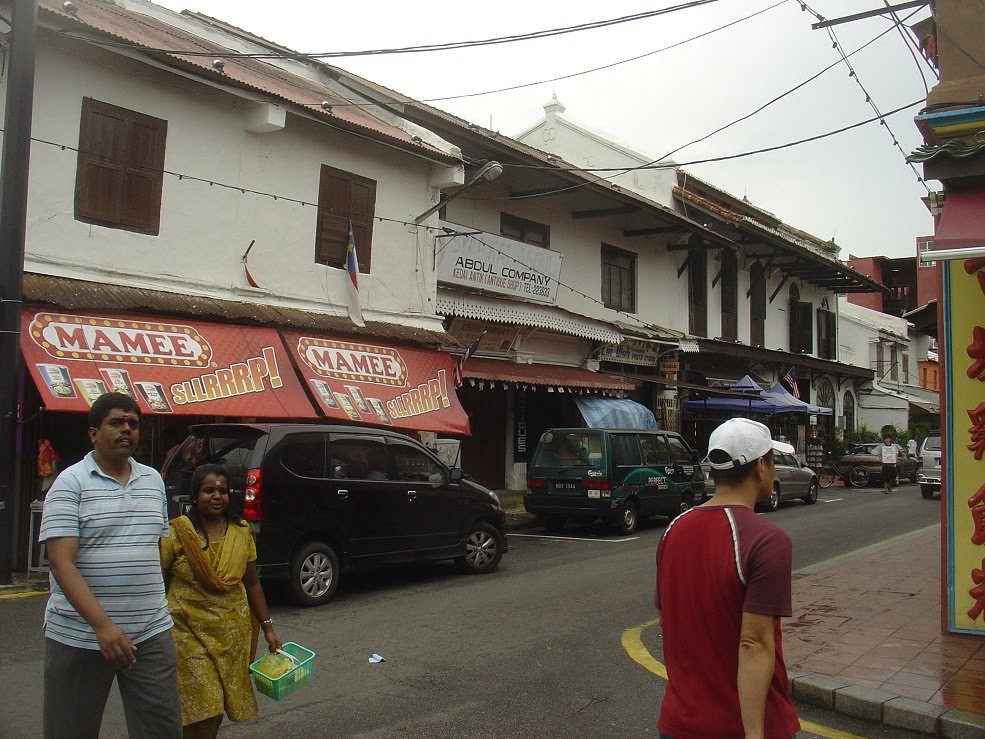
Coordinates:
(755,402)
(776,400)
(614,413)
(788,403)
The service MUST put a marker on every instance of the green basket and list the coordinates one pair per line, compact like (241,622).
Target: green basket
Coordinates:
(278,687)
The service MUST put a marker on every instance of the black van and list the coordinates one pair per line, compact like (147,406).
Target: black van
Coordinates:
(325,497)
(611,474)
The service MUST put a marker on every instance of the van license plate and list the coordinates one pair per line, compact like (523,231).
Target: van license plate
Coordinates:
(594,493)
(565,486)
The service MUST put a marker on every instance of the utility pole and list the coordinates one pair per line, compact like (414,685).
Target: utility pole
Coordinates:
(13,226)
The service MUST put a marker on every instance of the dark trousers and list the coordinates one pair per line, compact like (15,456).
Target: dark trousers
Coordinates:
(77,683)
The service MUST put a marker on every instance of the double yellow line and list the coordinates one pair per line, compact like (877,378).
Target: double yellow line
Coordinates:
(632,642)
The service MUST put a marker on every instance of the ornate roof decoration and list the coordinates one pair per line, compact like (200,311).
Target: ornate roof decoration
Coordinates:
(953,149)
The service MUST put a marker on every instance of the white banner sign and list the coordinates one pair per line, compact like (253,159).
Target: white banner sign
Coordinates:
(499,265)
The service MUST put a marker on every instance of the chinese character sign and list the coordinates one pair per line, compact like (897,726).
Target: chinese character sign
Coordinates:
(964,334)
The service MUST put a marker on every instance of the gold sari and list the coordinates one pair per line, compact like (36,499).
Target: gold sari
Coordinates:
(212,620)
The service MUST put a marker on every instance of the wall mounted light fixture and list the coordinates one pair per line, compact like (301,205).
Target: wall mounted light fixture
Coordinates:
(488,171)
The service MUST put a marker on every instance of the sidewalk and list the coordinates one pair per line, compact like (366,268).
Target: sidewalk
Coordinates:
(865,638)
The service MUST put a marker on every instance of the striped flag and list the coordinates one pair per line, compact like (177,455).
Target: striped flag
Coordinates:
(458,371)
(352,269)
(791,379)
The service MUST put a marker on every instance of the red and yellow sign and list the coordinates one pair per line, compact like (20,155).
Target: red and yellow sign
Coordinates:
(378,384)
(964,336)
(177,368)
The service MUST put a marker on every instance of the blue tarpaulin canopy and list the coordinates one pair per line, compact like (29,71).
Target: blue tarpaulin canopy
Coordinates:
(791,404)
(615,413)
(776,400)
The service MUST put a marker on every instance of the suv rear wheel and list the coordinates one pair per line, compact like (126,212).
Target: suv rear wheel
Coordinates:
(483,550)
(314,574)
(628,518)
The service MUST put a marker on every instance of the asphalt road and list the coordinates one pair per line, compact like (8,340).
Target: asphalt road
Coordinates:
(532,650)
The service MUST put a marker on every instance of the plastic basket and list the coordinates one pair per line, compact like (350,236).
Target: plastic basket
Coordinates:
(278,687)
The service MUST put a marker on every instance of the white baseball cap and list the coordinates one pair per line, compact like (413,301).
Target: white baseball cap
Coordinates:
(743,441)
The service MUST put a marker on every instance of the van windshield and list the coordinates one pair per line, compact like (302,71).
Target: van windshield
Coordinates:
(932,444)
(569,449)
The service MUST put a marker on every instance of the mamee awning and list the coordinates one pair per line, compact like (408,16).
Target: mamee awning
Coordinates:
(377,383)
(169,367)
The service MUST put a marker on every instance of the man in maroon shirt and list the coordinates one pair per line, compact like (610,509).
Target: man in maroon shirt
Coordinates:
(723,582)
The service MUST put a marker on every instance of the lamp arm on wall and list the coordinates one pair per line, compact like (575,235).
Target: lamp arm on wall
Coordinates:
(488,171)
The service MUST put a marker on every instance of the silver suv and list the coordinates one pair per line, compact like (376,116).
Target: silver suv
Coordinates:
(930,469)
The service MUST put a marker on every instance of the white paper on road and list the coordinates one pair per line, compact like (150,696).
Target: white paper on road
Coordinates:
(574,538)
(376,659)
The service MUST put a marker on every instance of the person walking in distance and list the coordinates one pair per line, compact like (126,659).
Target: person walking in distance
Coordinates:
(107,616)
(723,582)
(889,454)
(912,445)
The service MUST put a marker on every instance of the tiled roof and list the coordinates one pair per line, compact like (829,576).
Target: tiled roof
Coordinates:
(815,264)
(149,34)
(71,294)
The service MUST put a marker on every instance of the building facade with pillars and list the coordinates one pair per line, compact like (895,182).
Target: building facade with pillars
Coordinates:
(763,304)
(188,221)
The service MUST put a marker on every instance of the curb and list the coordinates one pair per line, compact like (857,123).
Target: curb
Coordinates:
(885,708)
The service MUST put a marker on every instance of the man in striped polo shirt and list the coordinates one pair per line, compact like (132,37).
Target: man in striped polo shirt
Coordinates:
(107,615)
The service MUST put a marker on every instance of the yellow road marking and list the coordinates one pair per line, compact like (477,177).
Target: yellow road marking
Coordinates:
(632,642)
(28,594)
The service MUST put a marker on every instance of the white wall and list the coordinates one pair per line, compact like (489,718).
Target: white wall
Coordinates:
(206,229)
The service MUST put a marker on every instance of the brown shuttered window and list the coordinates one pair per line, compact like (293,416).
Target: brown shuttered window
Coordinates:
(618,279)
(343,196)
(120,168)
(730,296)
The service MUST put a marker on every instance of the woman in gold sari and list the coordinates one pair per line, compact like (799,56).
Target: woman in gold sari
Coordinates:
(209,566)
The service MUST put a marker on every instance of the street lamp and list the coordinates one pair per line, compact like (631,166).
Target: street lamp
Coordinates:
(488,171)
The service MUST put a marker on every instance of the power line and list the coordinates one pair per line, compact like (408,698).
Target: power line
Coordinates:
(731,123)
(910,42)
(674,165)
(604,66)
(446,46)
(836,45)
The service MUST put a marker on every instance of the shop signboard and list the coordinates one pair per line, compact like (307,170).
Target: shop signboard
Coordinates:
(499,265)
(167,366)
(379,384)
(964,367)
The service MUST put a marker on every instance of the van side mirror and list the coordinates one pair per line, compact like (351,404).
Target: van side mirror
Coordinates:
(455,474)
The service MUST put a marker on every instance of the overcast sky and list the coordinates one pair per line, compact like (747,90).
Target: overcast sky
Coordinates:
(854,186)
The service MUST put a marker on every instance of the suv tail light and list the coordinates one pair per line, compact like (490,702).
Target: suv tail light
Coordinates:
(596,483)
(537,483)
(252,496)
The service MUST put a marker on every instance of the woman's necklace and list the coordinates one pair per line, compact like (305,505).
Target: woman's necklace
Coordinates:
(216,532)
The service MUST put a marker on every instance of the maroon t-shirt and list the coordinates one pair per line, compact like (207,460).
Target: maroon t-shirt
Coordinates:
(715,563)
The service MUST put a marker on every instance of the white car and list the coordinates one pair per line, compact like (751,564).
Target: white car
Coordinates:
(930,469)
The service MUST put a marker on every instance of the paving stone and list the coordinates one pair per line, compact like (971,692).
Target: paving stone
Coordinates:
(818,690)
(865,703)
(906,713)
(962,725)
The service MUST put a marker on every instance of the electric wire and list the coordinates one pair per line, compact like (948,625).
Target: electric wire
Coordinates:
(727,125)
(443,230)
(450,45)
(674,165)
(908,42)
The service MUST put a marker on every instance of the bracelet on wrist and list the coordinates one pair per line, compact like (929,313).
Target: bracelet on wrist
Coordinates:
(267,622)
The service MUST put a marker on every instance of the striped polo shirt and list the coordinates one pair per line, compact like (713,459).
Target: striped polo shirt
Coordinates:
(118,528)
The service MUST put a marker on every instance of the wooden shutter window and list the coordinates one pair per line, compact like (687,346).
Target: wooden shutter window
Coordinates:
(120,174)
(343,196)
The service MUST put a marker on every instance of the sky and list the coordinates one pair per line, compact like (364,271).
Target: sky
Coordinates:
(854,187)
